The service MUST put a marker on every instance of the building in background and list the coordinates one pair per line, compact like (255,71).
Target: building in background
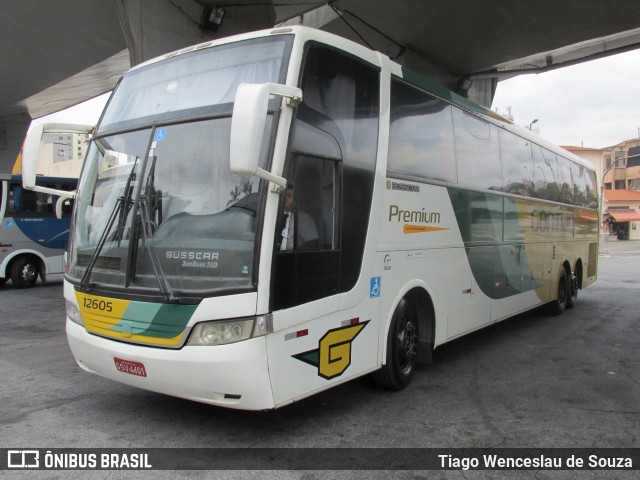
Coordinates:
(61,155)
(623,164)
(622,214)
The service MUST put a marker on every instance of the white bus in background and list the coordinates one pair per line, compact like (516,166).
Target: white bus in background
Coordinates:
(411,217)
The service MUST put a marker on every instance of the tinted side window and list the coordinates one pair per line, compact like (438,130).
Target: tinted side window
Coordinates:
(516,164)
(341,97)
(552,176)
(331,165)
(477,152)
(592,190)
(579,184)
(566,189)
(420,135)
(28,202)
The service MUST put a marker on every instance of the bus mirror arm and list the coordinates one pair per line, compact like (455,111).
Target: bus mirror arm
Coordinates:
(248,125)
(279,183)
(61,200)
(63,194)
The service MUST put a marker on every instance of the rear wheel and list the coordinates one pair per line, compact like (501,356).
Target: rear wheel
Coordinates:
(558,306)
(572,297)
(402,348)
(24,272)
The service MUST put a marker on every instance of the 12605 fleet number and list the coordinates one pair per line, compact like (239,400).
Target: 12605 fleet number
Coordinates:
(94,304)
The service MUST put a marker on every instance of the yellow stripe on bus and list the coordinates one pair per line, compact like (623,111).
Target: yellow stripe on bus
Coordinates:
(408,228)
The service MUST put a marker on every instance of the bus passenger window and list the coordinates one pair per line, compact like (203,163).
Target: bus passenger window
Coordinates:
(28,202)
(477,151)
(420,135)
(566,189)
(580,184)
(516,161)
(592,191)
(14,199)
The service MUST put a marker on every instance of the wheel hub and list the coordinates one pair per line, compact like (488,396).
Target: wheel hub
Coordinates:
(28,272)
(408,344)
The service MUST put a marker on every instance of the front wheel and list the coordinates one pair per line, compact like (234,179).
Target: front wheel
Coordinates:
(24,272)
(402,348)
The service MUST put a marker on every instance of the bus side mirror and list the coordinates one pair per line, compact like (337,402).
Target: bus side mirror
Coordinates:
(30,152)
(248,123)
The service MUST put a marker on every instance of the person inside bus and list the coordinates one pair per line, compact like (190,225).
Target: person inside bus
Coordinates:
(297,222)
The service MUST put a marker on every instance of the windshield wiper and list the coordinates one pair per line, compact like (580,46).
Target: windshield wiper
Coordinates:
(126,202)
(101,241)
(163,283)
(118,208)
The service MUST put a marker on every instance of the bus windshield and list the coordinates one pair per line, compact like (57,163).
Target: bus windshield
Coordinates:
(158,208)
(195,83)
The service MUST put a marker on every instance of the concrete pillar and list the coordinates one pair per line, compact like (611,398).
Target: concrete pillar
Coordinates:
(13,129)
(483,90)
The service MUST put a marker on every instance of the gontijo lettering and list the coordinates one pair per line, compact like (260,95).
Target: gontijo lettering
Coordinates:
(415,216)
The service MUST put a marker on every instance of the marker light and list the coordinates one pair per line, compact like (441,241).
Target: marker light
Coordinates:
(73,312)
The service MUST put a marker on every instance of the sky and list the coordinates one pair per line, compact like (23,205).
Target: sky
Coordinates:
(593,104)
(86,113)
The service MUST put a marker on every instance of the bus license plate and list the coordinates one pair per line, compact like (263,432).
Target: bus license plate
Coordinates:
(130,367)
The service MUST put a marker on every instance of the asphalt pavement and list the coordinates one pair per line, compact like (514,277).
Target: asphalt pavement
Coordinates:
(534,381)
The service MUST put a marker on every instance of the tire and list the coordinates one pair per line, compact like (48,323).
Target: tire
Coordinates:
(558,306)
(402,349)
(572,298)
(3,281)
(24,272)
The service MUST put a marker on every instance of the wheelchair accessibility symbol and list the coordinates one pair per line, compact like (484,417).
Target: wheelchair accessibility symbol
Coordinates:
(374,288)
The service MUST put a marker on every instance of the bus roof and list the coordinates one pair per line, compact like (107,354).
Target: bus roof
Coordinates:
(307,33)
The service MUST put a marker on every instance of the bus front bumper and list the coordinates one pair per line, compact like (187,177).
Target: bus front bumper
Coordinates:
(233,376)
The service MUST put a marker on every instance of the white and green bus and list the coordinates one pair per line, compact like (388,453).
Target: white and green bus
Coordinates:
(266,216)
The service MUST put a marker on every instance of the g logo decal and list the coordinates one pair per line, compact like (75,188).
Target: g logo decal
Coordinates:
(333,355)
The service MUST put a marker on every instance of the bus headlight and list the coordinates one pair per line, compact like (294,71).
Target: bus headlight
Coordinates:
(221,332)
(73,312)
